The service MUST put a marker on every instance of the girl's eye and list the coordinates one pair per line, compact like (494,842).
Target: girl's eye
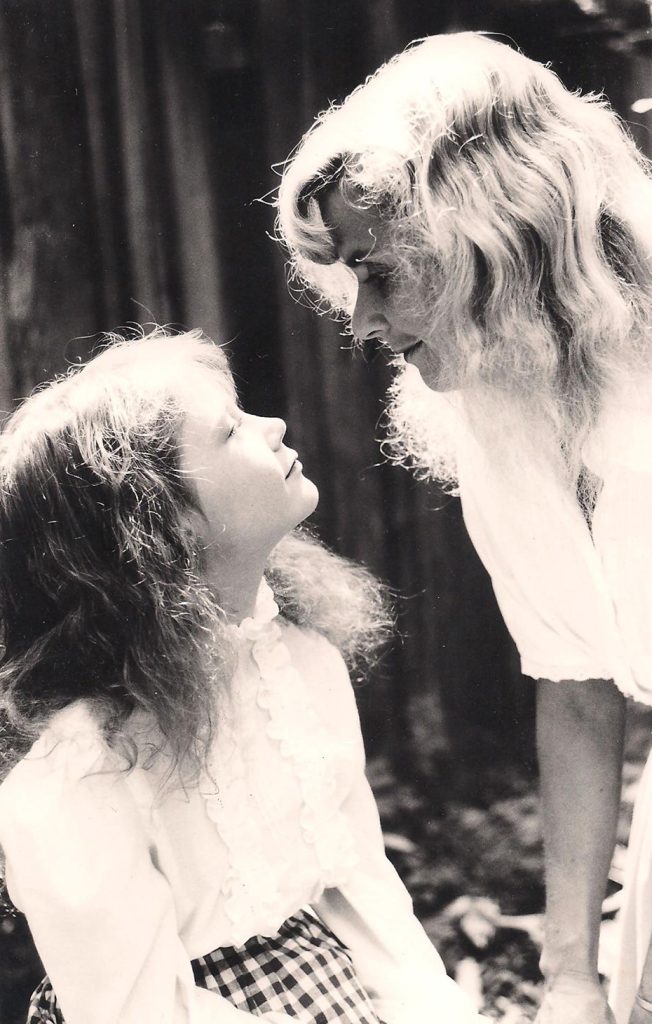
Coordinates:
(234,428)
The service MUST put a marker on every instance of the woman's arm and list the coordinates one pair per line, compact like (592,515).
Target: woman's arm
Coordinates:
(580,729)
(642,1009)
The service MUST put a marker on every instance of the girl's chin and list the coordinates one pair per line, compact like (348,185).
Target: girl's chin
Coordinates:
(311,498)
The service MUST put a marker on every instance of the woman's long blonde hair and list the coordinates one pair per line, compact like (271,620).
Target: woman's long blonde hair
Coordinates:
(521,220)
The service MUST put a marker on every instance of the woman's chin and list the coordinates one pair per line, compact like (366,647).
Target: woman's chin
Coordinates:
(429,365)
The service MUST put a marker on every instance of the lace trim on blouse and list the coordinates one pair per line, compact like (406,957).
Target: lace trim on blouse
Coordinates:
(252,893)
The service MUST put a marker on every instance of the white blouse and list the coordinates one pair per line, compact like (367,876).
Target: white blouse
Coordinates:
(123,882)
(577,601)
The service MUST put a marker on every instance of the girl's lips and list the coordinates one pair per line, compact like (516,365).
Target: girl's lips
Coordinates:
(296,466)
(293,456)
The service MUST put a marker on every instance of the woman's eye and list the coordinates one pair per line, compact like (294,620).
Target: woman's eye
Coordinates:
(234,428)
(378,275)
(381,279)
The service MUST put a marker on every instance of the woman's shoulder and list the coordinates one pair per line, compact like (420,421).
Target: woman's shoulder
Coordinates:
(622,436)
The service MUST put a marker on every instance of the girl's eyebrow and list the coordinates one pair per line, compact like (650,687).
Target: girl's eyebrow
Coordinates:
(221,426)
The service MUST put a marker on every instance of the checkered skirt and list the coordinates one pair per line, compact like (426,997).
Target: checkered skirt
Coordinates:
(304,971)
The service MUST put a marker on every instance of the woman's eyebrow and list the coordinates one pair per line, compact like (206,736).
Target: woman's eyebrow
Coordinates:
(362,252)
(356,257)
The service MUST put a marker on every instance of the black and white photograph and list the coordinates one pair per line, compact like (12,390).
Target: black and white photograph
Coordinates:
(325,511)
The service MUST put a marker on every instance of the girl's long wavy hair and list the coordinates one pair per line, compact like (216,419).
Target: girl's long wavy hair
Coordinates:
(521,221)
(102,588)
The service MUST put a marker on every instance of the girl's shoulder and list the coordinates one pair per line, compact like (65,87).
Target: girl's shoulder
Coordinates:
(71,747)
(314,654)
(325,676)
(77,727)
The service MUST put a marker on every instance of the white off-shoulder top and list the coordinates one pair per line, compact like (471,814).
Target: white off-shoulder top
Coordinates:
(123,883)
(577,600)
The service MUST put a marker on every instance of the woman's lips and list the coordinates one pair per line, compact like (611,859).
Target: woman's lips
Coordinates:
(405,348)
(409,353)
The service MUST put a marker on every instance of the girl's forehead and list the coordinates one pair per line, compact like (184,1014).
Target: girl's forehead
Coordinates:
(208,397)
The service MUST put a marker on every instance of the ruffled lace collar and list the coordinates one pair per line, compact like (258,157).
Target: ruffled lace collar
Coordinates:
(256,900)
(265,612)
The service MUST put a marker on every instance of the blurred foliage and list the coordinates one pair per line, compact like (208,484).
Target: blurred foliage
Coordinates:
(475,873)
(475,870)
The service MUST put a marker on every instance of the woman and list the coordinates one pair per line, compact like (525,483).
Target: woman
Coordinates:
(494,232)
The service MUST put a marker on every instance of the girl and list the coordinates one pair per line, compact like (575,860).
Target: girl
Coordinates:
(494,232)
(191,835)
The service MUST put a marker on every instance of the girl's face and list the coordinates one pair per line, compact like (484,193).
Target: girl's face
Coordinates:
(382,309)
(249,486)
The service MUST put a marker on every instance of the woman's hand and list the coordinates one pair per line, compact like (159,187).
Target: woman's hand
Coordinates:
(641,1012)
(577,999)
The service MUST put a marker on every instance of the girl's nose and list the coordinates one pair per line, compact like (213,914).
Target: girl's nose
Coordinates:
(276,428)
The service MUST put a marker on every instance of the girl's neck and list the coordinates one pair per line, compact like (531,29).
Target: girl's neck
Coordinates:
(237,585)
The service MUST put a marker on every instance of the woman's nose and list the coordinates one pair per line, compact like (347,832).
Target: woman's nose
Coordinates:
(367,320)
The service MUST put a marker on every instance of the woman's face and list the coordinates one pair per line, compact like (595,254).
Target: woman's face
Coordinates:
(249,486)
(382,308)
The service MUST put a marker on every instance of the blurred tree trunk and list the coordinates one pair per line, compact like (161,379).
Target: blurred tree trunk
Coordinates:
(107,210)
(49,280)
